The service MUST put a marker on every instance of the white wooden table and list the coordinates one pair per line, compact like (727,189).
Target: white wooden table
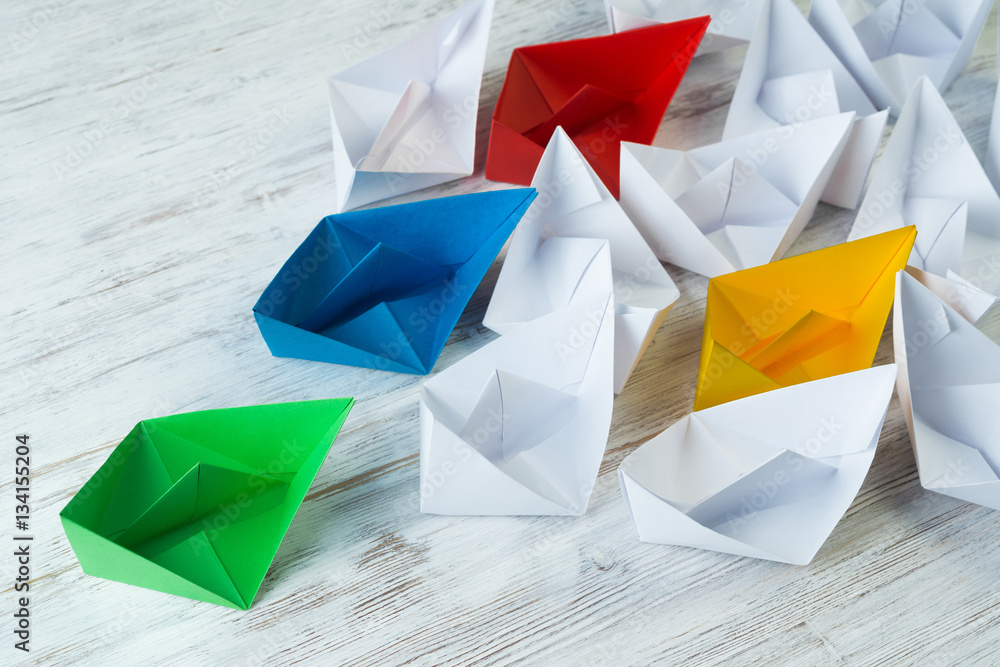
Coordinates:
(162,159)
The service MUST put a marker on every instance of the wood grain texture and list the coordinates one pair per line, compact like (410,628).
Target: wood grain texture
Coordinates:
(203,143)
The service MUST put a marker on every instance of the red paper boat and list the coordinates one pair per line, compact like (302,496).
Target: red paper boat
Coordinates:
(601,90)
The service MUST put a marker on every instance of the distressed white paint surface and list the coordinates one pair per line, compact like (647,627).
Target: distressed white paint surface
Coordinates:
(127,288)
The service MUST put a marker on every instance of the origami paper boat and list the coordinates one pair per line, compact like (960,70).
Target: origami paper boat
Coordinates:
(732,205)
(520,426)
(949,387)
(767,476)
(790,76)
(405,119)
(601,90)
(546,269)
(887,45)
(930,177)
(732,22)
(383,288)
(196,504)
(799,319)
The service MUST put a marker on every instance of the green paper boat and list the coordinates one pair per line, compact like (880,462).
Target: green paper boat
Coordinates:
(196,504)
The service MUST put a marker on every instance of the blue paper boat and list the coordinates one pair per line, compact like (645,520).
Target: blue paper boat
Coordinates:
(383,288)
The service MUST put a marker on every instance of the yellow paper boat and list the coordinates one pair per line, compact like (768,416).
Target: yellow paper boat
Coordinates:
(798,319)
